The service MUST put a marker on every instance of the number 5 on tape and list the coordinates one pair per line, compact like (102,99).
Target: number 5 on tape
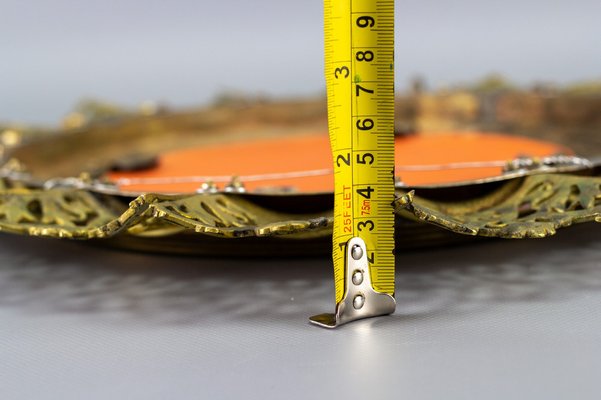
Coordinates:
(359,70)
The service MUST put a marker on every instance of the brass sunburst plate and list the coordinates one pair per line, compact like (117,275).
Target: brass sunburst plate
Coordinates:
(70,185)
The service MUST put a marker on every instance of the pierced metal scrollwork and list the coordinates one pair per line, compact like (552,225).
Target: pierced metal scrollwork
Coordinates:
(531,207)
(79,214)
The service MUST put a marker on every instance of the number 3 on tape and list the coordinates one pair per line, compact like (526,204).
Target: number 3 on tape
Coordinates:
(359,69)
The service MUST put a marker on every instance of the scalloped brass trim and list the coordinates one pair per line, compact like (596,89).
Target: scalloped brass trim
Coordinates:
(530,207)
(78,214)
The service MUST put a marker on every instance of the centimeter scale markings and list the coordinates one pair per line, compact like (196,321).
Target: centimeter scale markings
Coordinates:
(359,69)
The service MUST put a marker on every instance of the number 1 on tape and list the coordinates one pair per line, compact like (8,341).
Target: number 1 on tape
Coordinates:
(359,69)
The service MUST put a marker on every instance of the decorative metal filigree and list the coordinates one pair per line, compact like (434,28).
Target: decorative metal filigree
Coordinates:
(79,214)
(60,213)
(36,201)
(531,207)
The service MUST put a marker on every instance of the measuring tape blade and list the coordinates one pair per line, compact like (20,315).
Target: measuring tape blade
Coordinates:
(359,70)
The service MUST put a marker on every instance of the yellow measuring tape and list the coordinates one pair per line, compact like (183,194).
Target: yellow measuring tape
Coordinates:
(359,70)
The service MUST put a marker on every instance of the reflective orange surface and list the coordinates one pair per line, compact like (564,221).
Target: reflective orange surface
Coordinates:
(311,152)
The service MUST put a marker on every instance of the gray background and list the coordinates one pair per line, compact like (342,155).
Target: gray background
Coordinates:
(186,52)
(497,320)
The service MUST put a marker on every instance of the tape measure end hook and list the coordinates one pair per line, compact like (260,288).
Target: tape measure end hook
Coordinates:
(360,300)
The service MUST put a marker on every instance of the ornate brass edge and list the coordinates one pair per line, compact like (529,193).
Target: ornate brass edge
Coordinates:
(79,214)
(531,207)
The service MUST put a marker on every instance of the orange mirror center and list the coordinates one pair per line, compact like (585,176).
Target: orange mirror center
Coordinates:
(304,162)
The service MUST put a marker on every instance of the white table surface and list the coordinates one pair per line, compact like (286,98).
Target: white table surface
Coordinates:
(496,320)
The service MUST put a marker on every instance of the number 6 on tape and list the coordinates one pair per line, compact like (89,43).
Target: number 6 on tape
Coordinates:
(359,70)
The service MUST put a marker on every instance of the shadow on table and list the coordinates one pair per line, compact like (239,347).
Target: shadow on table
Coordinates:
(52,276)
